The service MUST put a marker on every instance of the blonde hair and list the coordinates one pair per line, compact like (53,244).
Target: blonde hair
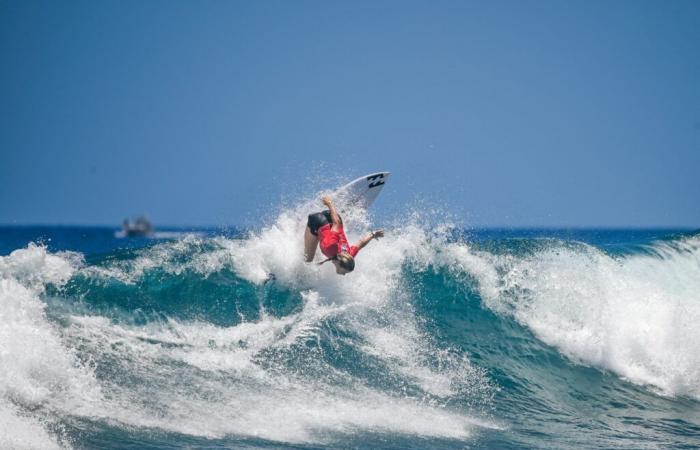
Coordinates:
(346,261)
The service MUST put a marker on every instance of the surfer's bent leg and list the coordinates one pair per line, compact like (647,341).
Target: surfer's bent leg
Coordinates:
(314,222)
(310,244)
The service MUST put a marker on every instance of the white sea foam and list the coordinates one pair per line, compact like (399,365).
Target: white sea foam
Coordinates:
(172,257)
(172,375)
(19,432)
(252,395)
(35,368)
(373,290)
(34,267)
(636,315)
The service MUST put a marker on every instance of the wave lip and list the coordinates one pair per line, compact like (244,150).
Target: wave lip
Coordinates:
(635,315)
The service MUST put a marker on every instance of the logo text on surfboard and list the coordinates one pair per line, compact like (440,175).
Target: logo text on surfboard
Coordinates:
(376,183)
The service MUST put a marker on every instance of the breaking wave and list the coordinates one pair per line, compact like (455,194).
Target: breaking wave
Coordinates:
(237,338)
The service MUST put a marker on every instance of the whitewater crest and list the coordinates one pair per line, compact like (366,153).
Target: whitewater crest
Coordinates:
(635,314)
(310,356)
(274,377)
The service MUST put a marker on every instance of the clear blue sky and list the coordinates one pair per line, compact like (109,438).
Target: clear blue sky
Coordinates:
(520,113)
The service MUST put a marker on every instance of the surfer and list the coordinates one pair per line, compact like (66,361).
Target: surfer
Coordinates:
(325,230)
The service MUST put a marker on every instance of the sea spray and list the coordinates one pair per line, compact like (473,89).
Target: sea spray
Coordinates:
(634,314)
(272,375)
(37,370)
(236,340)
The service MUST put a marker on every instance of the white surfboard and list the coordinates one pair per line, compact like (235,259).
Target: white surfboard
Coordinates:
(361,192)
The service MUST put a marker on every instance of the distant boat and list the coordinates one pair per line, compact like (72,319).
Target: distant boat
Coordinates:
(139,227)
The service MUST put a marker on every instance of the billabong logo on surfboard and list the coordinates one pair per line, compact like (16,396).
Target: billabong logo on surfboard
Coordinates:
(362,191)
(376,183)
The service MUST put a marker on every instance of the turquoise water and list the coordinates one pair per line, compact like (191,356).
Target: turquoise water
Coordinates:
(440,339)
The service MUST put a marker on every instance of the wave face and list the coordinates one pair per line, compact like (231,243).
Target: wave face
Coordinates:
(493,339)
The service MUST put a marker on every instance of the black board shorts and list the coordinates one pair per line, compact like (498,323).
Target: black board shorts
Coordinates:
(319,219)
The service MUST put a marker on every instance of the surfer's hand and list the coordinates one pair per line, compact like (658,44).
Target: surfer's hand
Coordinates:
(377,234)
(326,200)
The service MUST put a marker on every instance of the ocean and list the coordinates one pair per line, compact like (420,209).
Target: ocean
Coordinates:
(442,338)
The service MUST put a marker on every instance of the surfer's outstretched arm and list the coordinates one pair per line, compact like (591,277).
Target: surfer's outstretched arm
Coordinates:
(365,240)
(335,218)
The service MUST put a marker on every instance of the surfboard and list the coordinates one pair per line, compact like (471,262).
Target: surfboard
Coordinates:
(361,192)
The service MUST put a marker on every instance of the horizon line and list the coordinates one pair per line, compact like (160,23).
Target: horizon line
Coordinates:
(465,227)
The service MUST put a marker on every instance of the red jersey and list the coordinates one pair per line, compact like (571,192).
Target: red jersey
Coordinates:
(334,242)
